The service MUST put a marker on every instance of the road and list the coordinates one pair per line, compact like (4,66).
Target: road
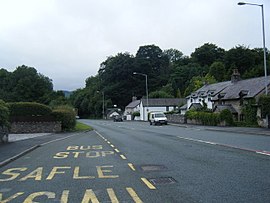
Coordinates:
(136,162)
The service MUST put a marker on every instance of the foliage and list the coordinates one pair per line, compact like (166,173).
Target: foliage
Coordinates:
(218,71)
(4,114)
(116,76)
(137,113)
(168,71)
(66,116)
(160,94)
(226,115)
(197,82)
(174,55)
(264,102)
(242,58)
(250,113)
(24,84)
(28,109)
(206,118)
(56,98)
(208,54)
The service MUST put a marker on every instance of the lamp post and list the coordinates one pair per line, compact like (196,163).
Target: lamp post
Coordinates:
(264,50)
(146,89)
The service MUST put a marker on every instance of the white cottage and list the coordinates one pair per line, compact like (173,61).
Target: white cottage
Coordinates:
(159,104)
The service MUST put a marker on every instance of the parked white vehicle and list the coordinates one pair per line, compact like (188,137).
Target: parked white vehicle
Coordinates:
(157,118)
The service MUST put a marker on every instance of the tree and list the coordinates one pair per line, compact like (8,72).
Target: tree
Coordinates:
(208,54)
(174,55)
(181,76)
(218,71)
(24,84)
(160,94)
(240,57)
(197,82)
(116,77)
(152,61)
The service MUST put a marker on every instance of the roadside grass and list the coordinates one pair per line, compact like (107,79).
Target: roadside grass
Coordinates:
(82,127)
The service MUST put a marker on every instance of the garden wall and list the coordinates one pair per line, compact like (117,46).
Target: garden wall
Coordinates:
(176,118)
(35,127)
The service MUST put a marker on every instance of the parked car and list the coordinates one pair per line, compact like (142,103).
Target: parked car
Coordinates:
(117,119)
(157,118)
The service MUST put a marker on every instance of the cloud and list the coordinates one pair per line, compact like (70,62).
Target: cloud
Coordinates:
(67,40)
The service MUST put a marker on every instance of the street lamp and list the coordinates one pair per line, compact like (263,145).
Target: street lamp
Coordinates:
(146,89)
(264,50)
(103,104)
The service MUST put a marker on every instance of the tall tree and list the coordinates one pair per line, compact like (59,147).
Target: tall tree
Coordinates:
(218,70)
(151,60)
(207,54)
(174,55)
(25,84)
(116,77)
(240,57)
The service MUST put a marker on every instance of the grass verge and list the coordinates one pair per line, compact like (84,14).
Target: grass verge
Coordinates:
(82,127)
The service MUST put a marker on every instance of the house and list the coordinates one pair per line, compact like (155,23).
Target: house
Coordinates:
(159,104)
(239,92)
(204,95)
(132,107)
(229,94)
(112,112)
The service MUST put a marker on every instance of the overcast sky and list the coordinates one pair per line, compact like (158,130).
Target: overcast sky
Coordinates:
(67,40)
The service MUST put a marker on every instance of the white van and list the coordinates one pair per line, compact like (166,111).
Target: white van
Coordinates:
(157,118)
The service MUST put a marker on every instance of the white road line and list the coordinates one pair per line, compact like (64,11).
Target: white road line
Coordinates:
(224,145)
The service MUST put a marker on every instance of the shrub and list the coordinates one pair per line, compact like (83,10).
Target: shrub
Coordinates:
(206,118)
(66,116)
(136,113)
(264,102)
(226,115)
(250,113)
(28,109)
(4,114)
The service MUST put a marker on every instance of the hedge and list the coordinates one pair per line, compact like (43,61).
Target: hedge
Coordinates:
(206,118)
(28,109)
(264,102)
(209,118)
(136,113)
(67,118)
(226,115)
(4,114)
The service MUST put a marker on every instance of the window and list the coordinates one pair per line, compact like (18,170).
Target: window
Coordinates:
(167,108)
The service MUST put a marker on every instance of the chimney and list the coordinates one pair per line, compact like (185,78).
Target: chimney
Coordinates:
(134,98)
(235,76)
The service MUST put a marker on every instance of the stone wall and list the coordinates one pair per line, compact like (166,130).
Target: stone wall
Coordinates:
(176,118)
(35,127)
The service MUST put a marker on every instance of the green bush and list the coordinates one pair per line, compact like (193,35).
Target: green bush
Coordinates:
(206,118)
(28,109)
(67,118)
(264,102)
(249,111)
(136,113)
(226,115)
(4,114)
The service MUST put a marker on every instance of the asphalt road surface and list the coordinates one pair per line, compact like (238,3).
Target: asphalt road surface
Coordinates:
(136,162)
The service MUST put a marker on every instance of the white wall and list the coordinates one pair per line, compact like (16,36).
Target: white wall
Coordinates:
(197,100)
(144,113)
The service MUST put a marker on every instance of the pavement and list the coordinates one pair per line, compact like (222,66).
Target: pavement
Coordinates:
(242,130)
(21,144)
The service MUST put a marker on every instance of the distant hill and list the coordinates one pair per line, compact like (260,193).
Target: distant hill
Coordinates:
(67,93)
